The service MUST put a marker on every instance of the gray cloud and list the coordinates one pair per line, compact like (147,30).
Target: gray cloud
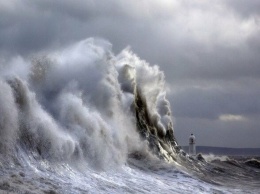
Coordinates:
(210,103)
(245,8)
(208,50)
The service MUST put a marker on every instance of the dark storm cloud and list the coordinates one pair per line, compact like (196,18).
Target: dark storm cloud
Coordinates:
(29,26)
(210,103)
(209,50)
(25,29)
(223,63)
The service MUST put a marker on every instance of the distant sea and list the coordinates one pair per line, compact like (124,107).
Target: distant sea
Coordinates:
(225,151)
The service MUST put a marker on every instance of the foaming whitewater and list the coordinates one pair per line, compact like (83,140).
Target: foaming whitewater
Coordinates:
(84,120)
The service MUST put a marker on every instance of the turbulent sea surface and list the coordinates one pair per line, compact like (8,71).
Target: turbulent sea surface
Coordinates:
(83,120)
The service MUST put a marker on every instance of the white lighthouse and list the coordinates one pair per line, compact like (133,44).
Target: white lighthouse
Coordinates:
(192,146)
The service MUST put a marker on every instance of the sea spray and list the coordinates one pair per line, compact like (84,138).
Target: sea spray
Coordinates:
(8,119)
(153,116)
(82,103)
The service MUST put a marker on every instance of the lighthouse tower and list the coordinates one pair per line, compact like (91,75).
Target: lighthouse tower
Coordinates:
(192,146)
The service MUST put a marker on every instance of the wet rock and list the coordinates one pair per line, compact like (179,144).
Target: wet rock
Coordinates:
(5,185)
(200,158)
(21,174)
(13,176)
(50,192)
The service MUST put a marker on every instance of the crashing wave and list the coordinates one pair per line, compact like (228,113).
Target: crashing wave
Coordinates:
(83,103)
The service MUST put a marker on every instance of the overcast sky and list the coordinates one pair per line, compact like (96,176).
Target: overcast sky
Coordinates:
(208,49)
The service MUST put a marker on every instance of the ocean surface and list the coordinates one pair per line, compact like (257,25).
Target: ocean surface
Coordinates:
(84,120)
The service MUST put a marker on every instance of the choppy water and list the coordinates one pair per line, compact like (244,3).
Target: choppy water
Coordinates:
(82,120)
(137,176)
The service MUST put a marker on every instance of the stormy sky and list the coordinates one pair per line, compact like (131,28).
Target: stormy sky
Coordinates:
(208,49)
